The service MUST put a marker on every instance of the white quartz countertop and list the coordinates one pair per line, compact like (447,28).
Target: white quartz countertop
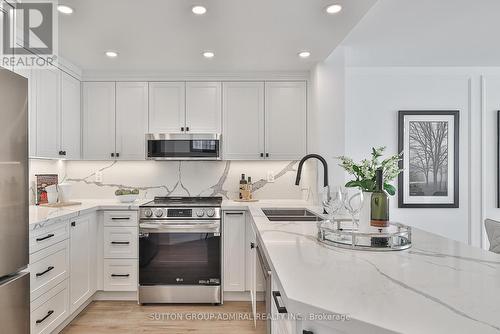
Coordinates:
(437,286)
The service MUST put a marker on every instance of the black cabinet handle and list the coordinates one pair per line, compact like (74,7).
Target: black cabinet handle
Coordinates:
(120,275)
(267,155)
(39,321)
(120,242)
(120,218)
(61,153)
(182,129)
(262,155)
(117,155)
(281,309)
(187,128)
(233,213)
(48,236)
(112,154)
(64,152)
(252,245)
(44,272)
(307,332)
(73,224)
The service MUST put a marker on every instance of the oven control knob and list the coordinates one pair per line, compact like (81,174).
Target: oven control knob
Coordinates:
(200,213)
(210,212)
(159,213)
(148,213)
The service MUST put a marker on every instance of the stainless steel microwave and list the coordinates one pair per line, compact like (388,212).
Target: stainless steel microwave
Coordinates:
(181,146)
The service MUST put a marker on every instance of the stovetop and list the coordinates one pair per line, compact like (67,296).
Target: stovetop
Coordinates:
(184,202)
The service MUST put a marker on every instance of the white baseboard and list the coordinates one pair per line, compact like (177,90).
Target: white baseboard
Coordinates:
(116,295)
(241,296)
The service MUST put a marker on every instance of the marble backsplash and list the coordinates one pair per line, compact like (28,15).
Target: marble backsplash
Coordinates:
(176,178)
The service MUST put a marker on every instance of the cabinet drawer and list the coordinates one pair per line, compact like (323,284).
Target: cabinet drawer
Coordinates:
(48,236)
(120,242)
(50,310)
(120,218)
(120,275)
(48,268)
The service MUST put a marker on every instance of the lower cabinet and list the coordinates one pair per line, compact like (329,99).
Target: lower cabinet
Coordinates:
(120,275)
(82,260)
(50,310)
(234,250)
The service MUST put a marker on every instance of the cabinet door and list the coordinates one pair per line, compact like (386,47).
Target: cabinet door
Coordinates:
(285,120)
(167,107)
(98,120)
(234,250)
(131,120)
(70,117)
(251,267)
(80,261)
(47,112)
(203,107)
(243,120)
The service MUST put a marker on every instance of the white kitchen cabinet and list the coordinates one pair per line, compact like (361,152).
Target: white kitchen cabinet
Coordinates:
(167,107)
(98,120)
(251,266)
(285,120)
(82,260)
(120,274)
(234,250)
(70,117)
(131,120)
(203,107)
(47,108)
(243,120)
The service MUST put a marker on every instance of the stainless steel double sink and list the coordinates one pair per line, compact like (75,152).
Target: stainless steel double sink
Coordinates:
(291,214)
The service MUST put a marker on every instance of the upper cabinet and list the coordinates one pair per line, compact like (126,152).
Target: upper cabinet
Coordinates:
(264,120)
(179,107)
(286,120)
(203,107)
(167,107)
(243,114)
(70,117)
(47,108)
(98,120)
(115,120)
(131,120)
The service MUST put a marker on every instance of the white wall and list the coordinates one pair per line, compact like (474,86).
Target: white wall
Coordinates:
(326,114)
(375,94)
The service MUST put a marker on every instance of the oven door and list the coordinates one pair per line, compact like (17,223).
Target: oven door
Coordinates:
(183,147)
(180,253)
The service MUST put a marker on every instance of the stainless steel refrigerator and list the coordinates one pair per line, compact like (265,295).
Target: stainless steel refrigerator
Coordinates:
(14,210)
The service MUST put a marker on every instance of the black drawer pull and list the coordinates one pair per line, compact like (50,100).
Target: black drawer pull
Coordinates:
(120,218)
(307,332)
(281,309)
(45,271)
(43,319)
(252,245)
(233,213)
(48,236)
(120,242)
(120,275)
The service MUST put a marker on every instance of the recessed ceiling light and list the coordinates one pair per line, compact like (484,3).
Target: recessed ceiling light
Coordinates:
(111,54)
(199,10)
(208,54)
(65,9)
(333,9)
(304,54)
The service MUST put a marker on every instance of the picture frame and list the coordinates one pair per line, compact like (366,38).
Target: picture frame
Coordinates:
(429,141)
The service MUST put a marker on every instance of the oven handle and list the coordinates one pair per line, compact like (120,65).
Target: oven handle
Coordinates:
(183,228)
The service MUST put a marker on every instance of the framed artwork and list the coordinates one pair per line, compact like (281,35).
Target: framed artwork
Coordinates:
(430,145)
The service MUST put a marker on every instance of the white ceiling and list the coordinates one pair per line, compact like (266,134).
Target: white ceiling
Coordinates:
(427,33)
(163,35)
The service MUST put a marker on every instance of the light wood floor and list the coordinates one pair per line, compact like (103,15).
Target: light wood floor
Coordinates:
(129,317)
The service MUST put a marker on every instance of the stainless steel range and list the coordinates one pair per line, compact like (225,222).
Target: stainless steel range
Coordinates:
(180,250)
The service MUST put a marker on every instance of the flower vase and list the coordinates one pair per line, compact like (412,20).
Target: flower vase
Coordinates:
(365,213)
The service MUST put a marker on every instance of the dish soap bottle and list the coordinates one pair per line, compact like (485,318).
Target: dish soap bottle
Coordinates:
(380,202)
(243,184)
